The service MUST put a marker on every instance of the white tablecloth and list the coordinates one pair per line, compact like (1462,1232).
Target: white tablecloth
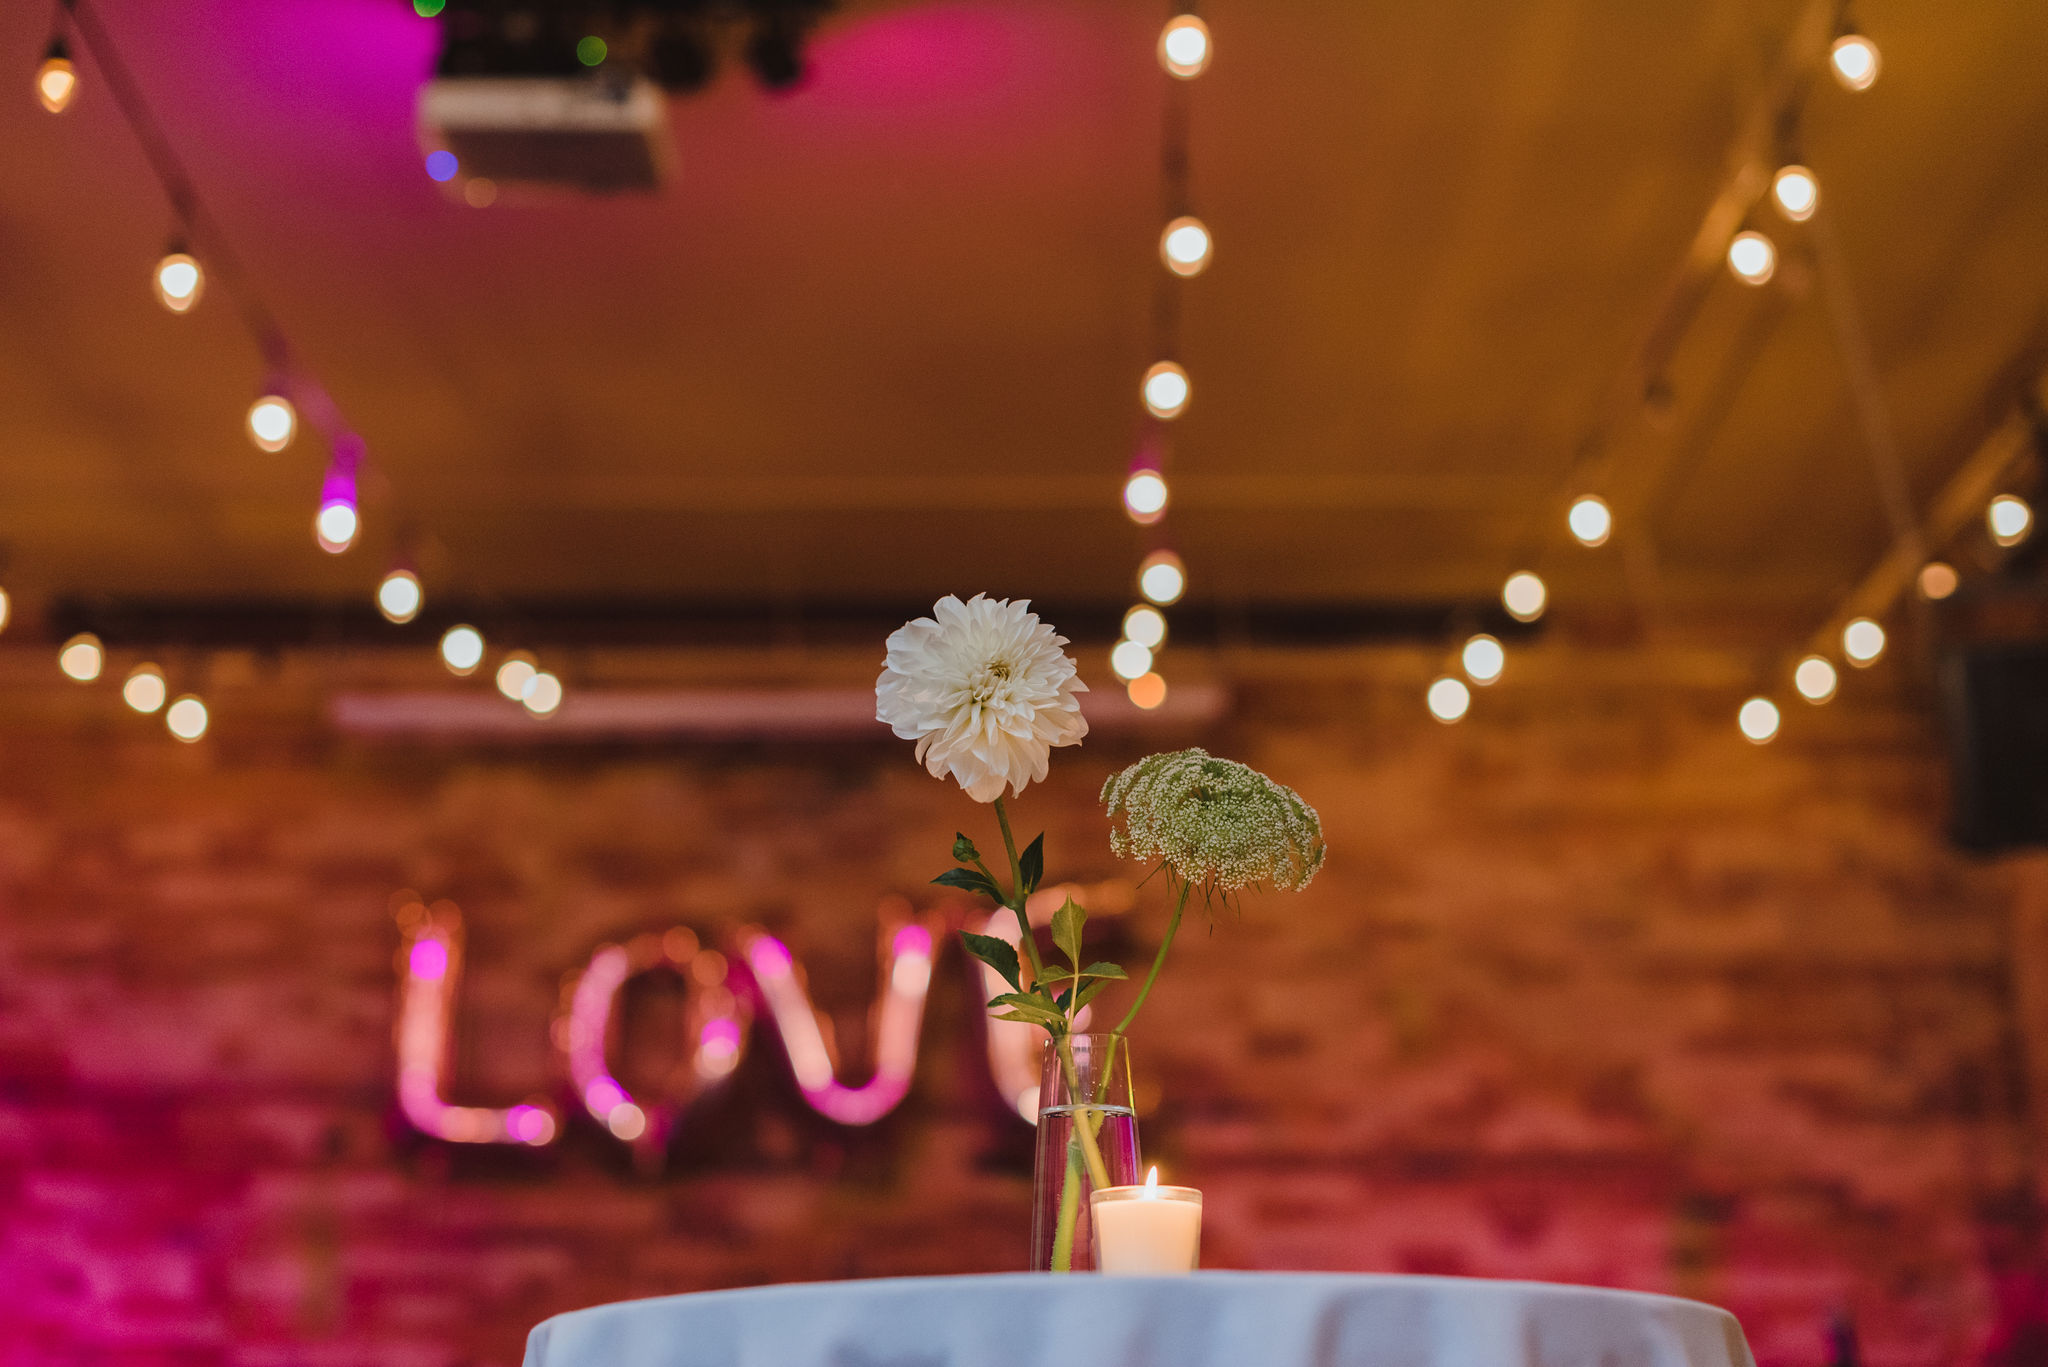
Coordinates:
(1212,1319)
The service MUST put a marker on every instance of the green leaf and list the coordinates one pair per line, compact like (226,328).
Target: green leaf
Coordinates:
(969,880)
(1061,1000)
(1054,1027)
(998,954)
(1067,924)
(1027,1008)
(963,849)
(1102,970)
(1032,865)
(1089,992)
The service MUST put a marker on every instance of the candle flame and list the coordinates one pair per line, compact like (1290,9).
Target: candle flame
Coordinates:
(1152,1184)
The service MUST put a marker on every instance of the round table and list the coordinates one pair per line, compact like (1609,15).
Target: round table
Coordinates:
(1210,1319)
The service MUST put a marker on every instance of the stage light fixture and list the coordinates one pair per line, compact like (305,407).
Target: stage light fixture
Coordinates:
(179,281)
(542,694)
(1862,642)
(1162,578)
(82,657)
(1855,61)
(1938,580)
(2010,519)
(1796,192)
(186,718)
(1524,596)
(145,690)
(1146,626)
(1752,257)
(1758,719)
(515,673)
(399,596)
(1483,659)
(462,649)
(1167,390)
(1815,679)
(1590,520)
(1184,47)
(1185,246)
(273,422)
(56,78)
(1147,691)
(1129,659)
(1145,496)
(1449,699)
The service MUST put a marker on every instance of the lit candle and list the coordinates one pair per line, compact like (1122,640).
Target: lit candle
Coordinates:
(1147,1231)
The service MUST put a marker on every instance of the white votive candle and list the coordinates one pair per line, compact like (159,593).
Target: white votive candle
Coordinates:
(1147,1231)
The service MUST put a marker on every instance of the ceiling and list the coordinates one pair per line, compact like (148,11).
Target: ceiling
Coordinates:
(880,337)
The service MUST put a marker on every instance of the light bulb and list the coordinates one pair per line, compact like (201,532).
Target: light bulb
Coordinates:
(1862,641)
(1758,720)
(273,422)
(56,79)
(1938,581)
(542,694)
(1752,257)
(1166,390)
(145,690)
(178,282)
(1590,520)
(334,527)
(399,596)
(1854,58)
(1796,192)
(1145,497)
(462,649)
(1185,246)
(1483,659)
(1162,578)
(1184,47)
(1146,626)
(1524,596)
(82,657)
(186,718)
(515,674)
(2010,519)
(1449,699)
(1815,679)
(1129,659)
(1146,691)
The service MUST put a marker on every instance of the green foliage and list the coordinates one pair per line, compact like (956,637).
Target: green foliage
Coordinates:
(1031,868)
(970,880)
(963,849)
(998,954)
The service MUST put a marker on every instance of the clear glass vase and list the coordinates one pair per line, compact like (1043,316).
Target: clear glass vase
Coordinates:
(1087,1138)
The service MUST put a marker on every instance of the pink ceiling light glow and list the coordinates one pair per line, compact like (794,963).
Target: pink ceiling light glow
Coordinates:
(897,1020)
(432,954)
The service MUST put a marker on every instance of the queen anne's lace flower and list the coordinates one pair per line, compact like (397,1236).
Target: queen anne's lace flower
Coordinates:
(1216,823)
(986,692)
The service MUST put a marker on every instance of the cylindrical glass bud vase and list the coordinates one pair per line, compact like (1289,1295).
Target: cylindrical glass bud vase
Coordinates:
(1087,1138)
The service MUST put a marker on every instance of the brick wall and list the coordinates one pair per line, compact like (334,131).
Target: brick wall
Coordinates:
(1591,990)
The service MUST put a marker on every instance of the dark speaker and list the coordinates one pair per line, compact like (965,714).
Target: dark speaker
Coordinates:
(1996,701)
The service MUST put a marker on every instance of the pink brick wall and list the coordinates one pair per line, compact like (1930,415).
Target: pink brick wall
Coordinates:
(1591,990)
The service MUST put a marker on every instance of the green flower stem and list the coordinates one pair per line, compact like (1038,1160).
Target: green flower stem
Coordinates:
(1070,1210)
(1028,940)
(1159,960)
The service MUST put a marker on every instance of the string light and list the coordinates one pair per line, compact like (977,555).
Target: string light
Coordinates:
(273,422)
(186,718)
(1855,61)
(2010,519)
(1146,626)
(1752,257)
(1167,390)
(542,694)
(1185,246)
(1184,47)
(1758,720)
(1483,659)
(399,596)
(179,281)
(1524,596)
(1147,691)
(1449,699)
(1162,578)
(1862,642)
(1796,191)
(56,78)
(462,649)
(335,526)
(1145,496)
(145,690)
(1591,521)
(1938,581)
(82,657)
(1815,679)
(1128,660)
(515,673)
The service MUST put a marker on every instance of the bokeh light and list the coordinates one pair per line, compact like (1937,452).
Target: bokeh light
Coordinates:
(591,50)
(2010,519)
(1449,699)
(82,657)
(1816,679)
(1166,390)
(1483,659)
(1938,580)
(542,694)
(56,80)
(186,718)
(441,164)
(1862,641)
(335,526)
(179,282)
(1146,626)
(462,649)
(1128,659)
(1796,192)
(1145,496)
(1524,596)
(145,689)
(399,596)
(273,422)
(1162,578)
(1758,719)
(1591,521)
(1147,691)
(1185,245)
(1184,47)
(515,672)
(1752,257)
(1855,61)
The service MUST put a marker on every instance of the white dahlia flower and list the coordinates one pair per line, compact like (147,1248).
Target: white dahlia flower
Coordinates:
(985,690)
